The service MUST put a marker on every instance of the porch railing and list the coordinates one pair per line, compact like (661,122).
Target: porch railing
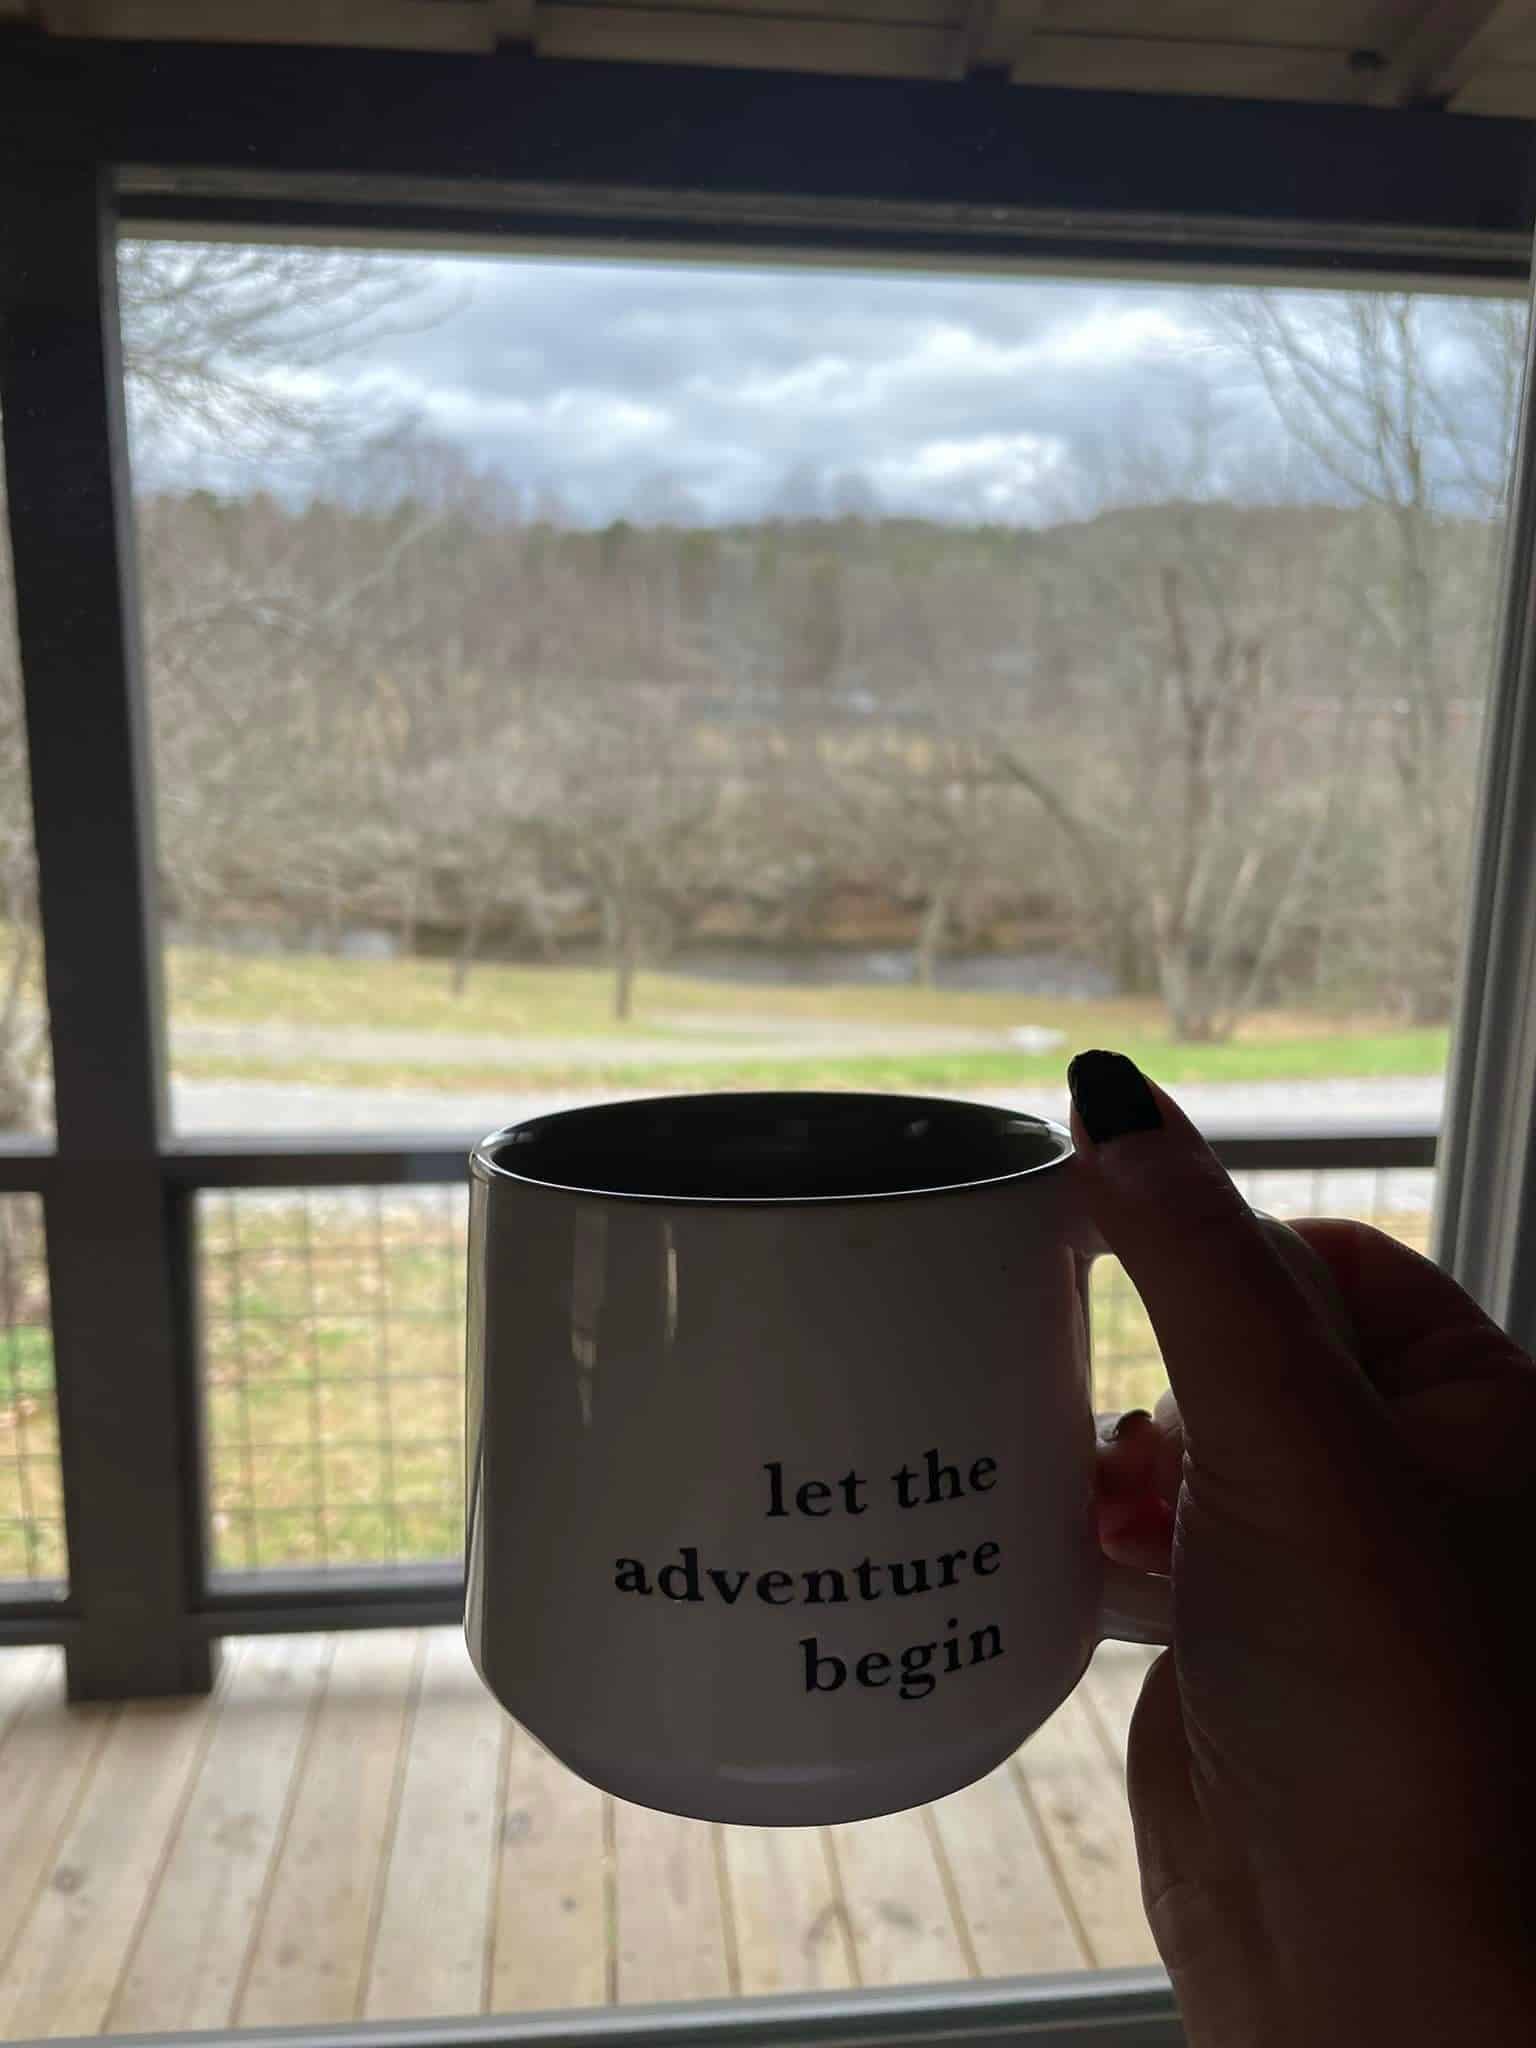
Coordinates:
(361,1245)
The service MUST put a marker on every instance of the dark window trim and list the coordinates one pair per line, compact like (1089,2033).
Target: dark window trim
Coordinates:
(118,1237)
(366,139)
(661,226)
(1130,2008)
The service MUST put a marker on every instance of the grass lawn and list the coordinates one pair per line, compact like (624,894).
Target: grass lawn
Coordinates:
(571,1004)
(333,1343)
(31,1492)
(1296,1059)
(416,995)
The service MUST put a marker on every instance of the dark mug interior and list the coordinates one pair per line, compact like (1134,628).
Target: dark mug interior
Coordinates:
(790,1147)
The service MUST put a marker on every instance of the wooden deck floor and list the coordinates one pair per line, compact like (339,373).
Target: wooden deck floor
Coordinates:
(349,1827)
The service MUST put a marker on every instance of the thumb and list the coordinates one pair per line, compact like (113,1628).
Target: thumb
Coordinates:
(1264,1374)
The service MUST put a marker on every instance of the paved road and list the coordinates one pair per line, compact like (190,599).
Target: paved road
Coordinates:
(682,1038)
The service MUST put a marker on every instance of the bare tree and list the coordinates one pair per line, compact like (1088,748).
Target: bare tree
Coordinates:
(637,802)
(1195,789)
(474,824)
(611,798)
(1239,872)
(944,827)
(232,349)
(938,694)
(1362,383)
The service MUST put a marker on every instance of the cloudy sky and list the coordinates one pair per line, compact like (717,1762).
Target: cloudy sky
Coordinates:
(679,391)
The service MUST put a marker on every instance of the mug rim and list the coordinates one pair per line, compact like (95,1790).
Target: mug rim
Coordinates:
(484,1167)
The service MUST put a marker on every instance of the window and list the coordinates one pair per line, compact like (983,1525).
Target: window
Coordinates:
(573,679)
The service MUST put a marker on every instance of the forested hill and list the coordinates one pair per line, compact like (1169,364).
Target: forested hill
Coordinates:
(1226,745)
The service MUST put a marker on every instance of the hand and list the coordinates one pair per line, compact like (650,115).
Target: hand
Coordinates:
(1329,1773)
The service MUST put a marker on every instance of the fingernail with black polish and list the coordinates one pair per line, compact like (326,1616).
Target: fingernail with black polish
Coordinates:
(1133,1418)
(1111,1095)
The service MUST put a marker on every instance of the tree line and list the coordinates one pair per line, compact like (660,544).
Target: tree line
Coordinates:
(1182,735)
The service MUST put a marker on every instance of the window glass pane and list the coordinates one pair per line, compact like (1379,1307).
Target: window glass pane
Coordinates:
(333,1359)
(26,1070)
(32,1558)
(1127,1369)
(575,679)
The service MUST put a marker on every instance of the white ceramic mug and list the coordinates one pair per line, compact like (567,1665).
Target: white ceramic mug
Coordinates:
(781,1447)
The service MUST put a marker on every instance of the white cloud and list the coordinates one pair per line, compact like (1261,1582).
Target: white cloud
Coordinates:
(1112,335)
(989,476)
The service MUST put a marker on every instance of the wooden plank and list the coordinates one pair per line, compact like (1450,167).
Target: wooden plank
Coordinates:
(1001,30)
(379,24)
(1491,72)
(791,1926)
(1439,51)
(644,36)
(904,1931)
(69,1953)
(549,1933)
(186,1967)
(1232,70)
(512,20)
(1016,1918)
(1320,24)
(47,1750)
(671,1919)
(1502,89)
(1079,1795)
(24,1673)
(946,14)
(310,1958)
(429,1954)
(1113,1683)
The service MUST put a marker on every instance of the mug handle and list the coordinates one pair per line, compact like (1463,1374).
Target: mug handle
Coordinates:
(1136,1606)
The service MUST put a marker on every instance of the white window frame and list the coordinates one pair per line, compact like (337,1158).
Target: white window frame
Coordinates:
(1484,1229)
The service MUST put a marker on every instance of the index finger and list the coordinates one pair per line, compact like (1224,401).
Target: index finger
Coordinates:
(1262,1375)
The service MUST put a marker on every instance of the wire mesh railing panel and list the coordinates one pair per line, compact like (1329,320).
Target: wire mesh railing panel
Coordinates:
(32,1552)
(333,1326)
(1127,1368)
(333,1335)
